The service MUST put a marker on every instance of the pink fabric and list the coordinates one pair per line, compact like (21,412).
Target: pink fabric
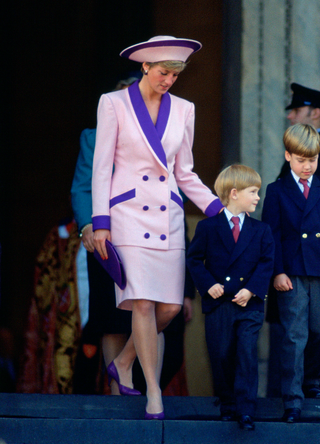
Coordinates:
(121,141)
(154,275)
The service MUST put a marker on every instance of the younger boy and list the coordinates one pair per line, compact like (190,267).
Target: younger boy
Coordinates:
(231,261)
(292,208)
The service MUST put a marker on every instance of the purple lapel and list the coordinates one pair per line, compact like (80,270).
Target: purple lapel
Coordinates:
(153,133)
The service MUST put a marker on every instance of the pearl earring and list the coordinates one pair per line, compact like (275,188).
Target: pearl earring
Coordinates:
(146,72)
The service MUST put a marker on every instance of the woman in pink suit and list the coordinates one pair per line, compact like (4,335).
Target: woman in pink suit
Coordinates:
(147,134)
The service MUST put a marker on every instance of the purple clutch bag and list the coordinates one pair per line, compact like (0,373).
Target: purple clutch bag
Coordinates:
(113,265)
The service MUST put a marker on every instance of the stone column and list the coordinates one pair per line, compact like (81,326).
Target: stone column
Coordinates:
(280,44)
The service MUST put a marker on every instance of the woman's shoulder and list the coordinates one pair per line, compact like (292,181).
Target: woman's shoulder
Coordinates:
(180,101)
(122,94)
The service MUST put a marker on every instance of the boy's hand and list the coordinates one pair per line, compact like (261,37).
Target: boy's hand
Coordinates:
(282,282)
(216,291)
(242,297)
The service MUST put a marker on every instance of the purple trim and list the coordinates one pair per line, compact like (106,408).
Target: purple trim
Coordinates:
(177,199)
(122,197)
(155,44)
(146,123)
(101,223)
(213,208)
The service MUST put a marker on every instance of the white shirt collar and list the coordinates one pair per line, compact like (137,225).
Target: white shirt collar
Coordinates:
(230,215)
(296,178)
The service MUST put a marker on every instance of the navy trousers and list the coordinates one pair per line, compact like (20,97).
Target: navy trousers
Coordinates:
(232,335)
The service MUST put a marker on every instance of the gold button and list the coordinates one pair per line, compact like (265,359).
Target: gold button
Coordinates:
(318,235)
(304,235)
(241,279)
(228,278)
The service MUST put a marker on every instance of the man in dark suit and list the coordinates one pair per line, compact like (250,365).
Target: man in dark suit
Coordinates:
(231,261)
(292,208)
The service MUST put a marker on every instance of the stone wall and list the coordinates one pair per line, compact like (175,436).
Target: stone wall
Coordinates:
(280,44)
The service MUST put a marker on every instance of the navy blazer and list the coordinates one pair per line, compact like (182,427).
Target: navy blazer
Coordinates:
(214,257)
(295,223)
(81,198)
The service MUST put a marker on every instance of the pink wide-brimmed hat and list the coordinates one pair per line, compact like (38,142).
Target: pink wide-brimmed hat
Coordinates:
(161,48)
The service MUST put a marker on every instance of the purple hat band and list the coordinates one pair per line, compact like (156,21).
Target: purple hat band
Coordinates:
(157,50)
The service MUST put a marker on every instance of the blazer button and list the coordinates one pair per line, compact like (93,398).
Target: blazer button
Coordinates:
(163,208)
(147,235)
(318,235)
(228,278)
(163,237)
(241,279)
(145,208)
(304,235)
(162,178)
(145,178)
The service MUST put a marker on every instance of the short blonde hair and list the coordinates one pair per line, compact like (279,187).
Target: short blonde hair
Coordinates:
(238,177)
(302,140)
(172,65)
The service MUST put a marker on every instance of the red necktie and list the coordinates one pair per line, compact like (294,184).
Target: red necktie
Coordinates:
(236,227)
(305,187)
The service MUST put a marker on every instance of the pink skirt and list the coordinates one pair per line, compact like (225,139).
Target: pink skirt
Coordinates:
(154,275)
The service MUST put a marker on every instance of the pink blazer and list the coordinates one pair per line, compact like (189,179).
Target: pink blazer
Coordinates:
(140,201)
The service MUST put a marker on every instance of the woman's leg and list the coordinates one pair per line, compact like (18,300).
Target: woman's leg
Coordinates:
(148,319)
(160,350)
(112,345)
(145,338)
(124,362)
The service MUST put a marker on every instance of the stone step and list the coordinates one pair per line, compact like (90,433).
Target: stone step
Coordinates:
(82,419)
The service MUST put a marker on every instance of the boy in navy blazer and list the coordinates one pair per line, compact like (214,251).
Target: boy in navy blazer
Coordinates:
(292,208)
(231,262)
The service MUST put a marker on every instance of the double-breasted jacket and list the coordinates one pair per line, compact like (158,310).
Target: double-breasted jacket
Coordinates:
(140,201)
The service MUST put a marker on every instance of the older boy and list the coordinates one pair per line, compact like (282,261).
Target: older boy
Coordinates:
(231,261)
(292,208)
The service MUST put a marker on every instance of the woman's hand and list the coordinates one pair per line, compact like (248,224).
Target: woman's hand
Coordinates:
(99,240)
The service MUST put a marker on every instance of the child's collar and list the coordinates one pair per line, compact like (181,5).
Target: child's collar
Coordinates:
(230,215)
(297,178)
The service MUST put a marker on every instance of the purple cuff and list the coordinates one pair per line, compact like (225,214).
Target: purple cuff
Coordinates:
(101,223)
(213,208)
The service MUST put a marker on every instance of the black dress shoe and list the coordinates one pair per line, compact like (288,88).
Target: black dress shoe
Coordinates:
(228,416)
(312,392)
(246,422)
(291,415)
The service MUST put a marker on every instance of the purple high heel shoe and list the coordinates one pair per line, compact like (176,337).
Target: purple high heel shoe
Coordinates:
(154,415)
(113,374)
